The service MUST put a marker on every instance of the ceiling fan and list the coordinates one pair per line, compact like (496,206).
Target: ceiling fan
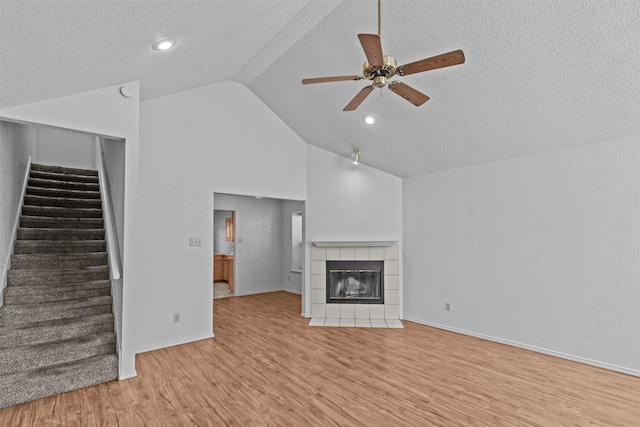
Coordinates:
(380,68)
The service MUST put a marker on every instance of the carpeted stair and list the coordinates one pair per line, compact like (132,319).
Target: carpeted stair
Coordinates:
(56,325)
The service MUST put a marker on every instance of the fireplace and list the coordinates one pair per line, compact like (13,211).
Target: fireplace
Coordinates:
(355,282)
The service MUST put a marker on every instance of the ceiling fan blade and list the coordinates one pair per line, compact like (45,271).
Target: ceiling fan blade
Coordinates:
(330,79)
(445,60)
(410,94)
(372,48)
(357,100)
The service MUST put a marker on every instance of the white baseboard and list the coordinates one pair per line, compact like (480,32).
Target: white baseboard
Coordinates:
(267,291)
(292,292)
(561,355)
(127,375)
(174,343)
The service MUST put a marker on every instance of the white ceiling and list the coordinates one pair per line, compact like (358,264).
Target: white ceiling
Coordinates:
(539,75)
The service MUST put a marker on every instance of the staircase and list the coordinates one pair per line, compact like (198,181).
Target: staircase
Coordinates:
(56,325)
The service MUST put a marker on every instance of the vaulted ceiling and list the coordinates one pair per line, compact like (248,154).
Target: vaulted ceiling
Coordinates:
(538,76)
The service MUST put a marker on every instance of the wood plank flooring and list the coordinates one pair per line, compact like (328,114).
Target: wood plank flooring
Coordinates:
(265,367)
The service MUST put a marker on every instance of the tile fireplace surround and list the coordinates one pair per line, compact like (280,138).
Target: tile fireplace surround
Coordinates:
(385,315)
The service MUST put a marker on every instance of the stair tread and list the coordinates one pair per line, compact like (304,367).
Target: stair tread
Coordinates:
(61,212)
(40,230)
(61,305)
(26,374)
(59,244)
(89,284)
(57,260)
(34,384)
(62,169)
(62,202)
(68,185)
(63,176)
(102,336)
(60,234)
(39,293)
(55,330)
(94,318)
(29,221)
(32,356)
(61,192)
(66,270)
(73,255)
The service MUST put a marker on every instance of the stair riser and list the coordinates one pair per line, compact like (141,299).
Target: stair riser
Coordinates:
(62,202)
(19,388)
(63,177)
(53,278)
(22,262)
(20,359)
(35,167)
(50,294)
(74,223)
(47,315)
(59,234)
(54,192)
(42,211)
(56,331)
(68,247)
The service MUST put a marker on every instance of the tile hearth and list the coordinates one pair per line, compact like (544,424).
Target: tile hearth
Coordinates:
(385,315)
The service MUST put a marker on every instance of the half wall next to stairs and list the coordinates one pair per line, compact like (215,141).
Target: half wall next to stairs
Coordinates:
(56,325)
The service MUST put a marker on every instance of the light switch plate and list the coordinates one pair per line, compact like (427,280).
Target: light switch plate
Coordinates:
(195,241)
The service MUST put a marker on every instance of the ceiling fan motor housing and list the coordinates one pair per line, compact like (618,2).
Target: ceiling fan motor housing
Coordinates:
(380,74)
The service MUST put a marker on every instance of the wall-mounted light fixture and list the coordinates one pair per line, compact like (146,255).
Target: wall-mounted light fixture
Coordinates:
(356,156)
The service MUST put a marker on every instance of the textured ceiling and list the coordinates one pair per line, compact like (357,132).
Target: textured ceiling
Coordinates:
(539,75)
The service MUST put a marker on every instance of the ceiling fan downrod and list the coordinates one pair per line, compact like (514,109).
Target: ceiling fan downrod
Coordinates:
(379,20)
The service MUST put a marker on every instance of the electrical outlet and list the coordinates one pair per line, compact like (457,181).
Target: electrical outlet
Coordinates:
(195,241)
(447,306)
(176,317)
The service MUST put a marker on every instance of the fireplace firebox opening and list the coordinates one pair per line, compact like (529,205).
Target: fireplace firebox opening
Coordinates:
(355,282)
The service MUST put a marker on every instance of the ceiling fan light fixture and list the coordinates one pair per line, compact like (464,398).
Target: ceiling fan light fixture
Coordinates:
(368,119)
(164,44)
(380,68)
(356,156)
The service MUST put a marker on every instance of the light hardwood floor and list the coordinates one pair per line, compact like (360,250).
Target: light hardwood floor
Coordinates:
(266,367)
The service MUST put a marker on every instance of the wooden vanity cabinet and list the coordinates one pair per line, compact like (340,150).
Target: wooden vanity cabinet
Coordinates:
(217,268)
(223,269)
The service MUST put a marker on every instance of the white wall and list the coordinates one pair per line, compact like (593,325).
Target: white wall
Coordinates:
(347,202)
(114,154)
(540,251)
(15,149)
(214,139)
(258,242)
(220,243)
(105,112)
(61,147)
(292,280)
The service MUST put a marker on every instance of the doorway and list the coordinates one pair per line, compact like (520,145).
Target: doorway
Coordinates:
(223,253)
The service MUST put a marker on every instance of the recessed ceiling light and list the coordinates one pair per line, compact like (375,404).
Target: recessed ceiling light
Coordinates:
(369,119)
(164,44)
